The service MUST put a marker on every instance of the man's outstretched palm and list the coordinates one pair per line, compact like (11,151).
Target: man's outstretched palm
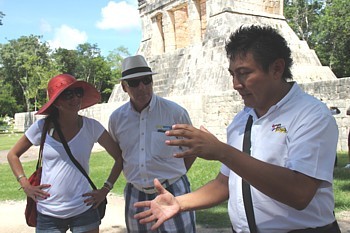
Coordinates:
(162,208)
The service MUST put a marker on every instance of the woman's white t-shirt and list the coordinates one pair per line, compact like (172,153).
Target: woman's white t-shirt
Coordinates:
(68,184)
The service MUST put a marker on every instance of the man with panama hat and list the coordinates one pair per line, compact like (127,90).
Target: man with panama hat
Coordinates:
(138,126)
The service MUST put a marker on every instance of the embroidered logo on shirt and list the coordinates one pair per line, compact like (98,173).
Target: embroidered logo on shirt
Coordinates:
(279,128)
(163,128)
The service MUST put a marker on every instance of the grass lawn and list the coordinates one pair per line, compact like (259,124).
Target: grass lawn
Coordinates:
(8,140)
(201,172)
(341,184)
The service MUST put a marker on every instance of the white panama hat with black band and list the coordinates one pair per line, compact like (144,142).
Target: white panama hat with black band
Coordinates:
(135,66)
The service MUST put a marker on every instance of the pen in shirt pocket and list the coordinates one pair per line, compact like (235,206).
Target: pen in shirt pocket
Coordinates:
(163,128)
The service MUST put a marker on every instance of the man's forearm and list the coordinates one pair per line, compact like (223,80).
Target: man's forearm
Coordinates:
(199,199)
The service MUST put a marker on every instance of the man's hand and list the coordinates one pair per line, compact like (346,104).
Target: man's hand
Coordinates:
(162,208)
(200,142)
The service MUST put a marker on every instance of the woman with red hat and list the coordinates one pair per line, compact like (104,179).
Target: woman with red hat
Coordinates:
(65,199)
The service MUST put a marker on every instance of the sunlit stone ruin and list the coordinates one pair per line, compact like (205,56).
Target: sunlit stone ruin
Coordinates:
(184,40)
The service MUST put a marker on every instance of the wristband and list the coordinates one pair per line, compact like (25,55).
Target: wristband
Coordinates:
(20,177)
(108,185)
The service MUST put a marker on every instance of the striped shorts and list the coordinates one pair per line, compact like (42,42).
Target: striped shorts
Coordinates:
(182,222)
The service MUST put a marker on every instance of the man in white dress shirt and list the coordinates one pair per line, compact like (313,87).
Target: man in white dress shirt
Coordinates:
(139,127)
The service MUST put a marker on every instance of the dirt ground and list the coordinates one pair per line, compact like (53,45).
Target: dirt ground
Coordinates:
(12,212)
(12,218)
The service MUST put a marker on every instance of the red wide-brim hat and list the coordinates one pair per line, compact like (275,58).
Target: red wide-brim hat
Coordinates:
(62,82)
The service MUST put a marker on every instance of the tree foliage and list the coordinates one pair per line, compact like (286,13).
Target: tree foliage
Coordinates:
(114,60)
(331,37)
(301,15)
(8,103)
(66,61)
(94,68)
(26,65)
(1,16)
(325,25)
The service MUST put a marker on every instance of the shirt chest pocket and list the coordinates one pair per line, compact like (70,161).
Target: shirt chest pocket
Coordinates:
(273,149)
(159,148)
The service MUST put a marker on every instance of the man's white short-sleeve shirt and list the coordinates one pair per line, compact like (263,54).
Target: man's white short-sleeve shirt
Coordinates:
(298,133)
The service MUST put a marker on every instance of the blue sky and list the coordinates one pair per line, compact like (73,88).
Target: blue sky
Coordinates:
(67,23)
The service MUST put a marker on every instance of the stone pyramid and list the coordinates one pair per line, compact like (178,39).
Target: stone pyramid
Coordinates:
(184,42)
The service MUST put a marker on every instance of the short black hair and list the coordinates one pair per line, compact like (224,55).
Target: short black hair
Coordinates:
(264,42)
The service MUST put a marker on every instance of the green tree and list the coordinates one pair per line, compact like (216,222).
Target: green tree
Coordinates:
(86,55)
(94,68)
(114,59)
(26,64)
(1,16)
(8,103)
(325,25)
(66,61)
(331,37)
(301,16)
(102,77)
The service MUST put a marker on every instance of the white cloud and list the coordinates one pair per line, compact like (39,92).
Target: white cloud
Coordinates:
(122,15)
(45,27)
(67,37)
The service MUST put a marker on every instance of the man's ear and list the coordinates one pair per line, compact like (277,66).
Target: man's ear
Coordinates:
(123,86)
(277,68)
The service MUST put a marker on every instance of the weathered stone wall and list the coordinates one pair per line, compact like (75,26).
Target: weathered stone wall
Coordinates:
(216,110)
(334,93)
